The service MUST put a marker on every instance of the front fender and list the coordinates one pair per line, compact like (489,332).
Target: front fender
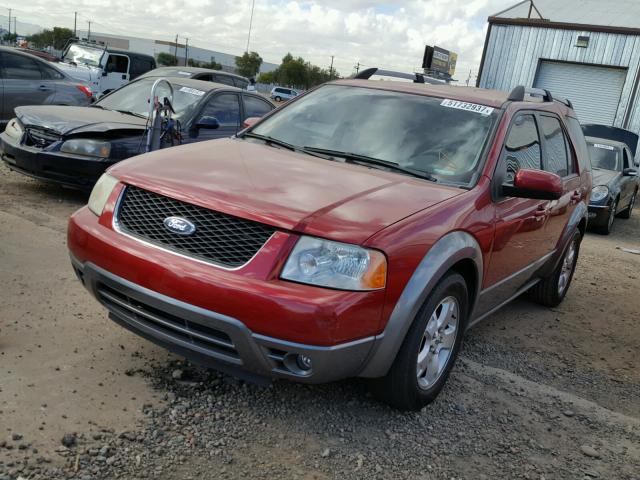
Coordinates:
(445,253)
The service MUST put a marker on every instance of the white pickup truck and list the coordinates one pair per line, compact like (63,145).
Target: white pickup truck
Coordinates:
(101,68)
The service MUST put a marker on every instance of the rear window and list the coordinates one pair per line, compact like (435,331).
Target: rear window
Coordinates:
(443,138)
(604,156)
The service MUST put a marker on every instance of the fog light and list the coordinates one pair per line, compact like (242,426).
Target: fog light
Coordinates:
(303,362)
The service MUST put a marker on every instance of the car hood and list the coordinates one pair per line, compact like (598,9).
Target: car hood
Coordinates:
(83,73)
(66,120)
(282,188)
(603,177)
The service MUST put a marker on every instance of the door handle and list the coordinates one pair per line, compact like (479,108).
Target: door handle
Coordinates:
(124,77)
(43,88)
(541,212)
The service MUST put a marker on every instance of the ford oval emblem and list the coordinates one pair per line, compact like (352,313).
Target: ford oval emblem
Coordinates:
(179,225)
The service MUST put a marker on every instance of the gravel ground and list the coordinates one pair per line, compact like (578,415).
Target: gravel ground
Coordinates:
(537,394)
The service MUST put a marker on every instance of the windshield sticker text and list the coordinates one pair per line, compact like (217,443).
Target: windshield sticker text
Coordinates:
(605,147)
(470,107)
(192,91)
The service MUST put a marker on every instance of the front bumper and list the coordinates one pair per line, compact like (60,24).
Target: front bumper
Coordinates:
(77,172)
(173,300)
(215,340)
(598,215)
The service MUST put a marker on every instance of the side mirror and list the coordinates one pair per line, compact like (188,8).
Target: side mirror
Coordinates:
(536,184)
(250,121)
(208,123)
(629,172)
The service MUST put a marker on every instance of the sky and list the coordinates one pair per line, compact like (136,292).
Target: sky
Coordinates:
(389,34)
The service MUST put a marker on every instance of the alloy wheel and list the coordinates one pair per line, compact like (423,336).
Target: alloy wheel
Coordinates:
(568,264)
(438,341)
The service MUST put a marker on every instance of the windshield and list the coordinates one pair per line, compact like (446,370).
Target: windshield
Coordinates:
(82,54)
(134,98)
(604,156)
(441,138)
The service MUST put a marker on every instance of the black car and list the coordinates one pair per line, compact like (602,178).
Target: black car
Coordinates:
(74,145)
(197,73)
(615,183)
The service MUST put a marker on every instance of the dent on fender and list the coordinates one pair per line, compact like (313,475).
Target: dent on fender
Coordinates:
(446,252)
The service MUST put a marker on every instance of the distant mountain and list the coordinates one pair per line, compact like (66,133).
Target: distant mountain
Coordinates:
(22,27)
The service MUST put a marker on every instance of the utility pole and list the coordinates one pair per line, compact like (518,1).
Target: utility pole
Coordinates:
(9,22)
(89,31)
(331,69)
(357,68)
(469,77)
(176,50)
(253,4)
(186,52)
(75,23)
(15,29)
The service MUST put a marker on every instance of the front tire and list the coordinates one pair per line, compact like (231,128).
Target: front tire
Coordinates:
(429,349)
(607,227)
(627,211)
(278,99)
(551,291)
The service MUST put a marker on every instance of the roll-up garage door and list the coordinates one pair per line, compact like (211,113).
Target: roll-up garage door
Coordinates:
(594,91)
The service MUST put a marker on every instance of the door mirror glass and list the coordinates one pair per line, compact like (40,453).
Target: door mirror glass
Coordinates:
(629,172)
(208,123)
(535,184)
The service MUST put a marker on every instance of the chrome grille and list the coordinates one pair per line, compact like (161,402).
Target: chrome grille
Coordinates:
(218,238)
(40,138)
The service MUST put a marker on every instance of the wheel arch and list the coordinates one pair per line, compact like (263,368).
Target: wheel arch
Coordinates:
(457,251)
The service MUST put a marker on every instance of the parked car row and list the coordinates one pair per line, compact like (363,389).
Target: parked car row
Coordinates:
(73,146)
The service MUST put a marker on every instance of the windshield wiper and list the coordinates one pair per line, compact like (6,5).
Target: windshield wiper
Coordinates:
(127,112)
(366,160)
(271,140)
(281,143)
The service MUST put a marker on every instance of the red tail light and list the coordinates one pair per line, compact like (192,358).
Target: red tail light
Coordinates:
(86,90)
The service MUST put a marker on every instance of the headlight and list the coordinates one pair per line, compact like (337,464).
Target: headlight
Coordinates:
(88,148)
(100,193)
(14,129)
(599,193)
(335,265)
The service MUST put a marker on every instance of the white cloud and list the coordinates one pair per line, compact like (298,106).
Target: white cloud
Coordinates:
(389,34)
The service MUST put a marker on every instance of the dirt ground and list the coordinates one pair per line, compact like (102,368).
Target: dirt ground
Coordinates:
(538,393)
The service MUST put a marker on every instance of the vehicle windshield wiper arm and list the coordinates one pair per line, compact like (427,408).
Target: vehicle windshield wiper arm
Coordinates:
(127,112)
(364,159)
(269,139)
(281,143)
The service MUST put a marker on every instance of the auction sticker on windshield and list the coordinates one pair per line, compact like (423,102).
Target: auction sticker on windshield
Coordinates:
(470,107)
(192,91)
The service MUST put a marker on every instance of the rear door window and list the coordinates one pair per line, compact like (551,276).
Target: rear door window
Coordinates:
(240,83)
(224,79)
(522,147)
(555,158)
(18,67)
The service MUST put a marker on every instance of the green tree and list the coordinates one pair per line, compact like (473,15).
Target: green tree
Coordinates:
(167,59)
(248,64)
(9,37)
(296,72)
(56,38)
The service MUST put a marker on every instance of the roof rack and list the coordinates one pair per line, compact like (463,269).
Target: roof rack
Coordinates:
(416,77)
(518,94)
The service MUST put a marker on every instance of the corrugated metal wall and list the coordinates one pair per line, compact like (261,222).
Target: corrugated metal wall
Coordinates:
(513,54)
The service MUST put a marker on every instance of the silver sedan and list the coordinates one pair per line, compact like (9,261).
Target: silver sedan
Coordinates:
(29,80)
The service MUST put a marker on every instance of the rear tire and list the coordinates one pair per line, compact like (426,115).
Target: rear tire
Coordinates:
(626,213)
(278,99)
(551,291)
(429,349)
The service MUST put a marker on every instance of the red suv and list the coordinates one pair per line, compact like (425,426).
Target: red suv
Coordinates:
(357,231)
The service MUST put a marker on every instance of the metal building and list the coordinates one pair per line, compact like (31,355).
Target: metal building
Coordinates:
(585,50)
